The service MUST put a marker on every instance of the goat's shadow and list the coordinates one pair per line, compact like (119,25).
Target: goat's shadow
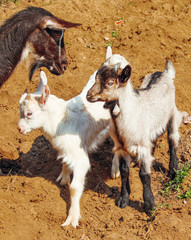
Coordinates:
(41,161)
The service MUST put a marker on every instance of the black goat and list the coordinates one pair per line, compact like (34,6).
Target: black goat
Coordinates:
(34,30)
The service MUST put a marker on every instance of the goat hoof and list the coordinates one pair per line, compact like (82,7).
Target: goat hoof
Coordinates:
(149,207)
(115,175)
(70,220)
(172,174)
(123,201)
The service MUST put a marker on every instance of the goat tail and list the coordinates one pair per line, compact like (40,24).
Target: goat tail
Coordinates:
(169,69)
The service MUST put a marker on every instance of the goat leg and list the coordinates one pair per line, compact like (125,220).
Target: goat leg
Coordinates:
(123,200)
(173,165)
(147,193)
(172,131)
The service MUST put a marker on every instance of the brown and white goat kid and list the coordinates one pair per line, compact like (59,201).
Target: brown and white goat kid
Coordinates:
(76,128)
(37,31)
(139,117)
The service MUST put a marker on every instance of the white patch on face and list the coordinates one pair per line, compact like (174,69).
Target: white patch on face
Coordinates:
(42,58)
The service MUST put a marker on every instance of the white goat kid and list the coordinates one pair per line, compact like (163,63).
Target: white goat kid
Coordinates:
(139,117)
(76,127)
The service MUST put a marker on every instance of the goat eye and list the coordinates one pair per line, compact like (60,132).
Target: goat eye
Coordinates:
(110,84)
(29,114)
(57,35)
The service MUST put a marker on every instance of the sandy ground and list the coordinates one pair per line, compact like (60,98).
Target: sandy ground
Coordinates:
(32,205)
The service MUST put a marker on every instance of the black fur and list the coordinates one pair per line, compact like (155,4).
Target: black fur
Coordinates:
(48,44)
(147,193)
(154,79)
(126,73)
(13,36)
(173,165)
(123,200)
(111,105)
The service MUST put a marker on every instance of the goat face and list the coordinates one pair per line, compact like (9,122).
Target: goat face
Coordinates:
(49,48)
(31,114)
(37,31)
(29,110)
(49,51)
(108,80)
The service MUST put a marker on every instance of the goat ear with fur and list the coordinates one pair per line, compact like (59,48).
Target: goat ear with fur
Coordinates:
(45,94)
(43,88)
(57,24)
(108,52)
(43,81)
(125,74)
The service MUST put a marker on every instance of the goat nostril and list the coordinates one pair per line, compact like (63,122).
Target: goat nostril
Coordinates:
(65,67)
(19,129)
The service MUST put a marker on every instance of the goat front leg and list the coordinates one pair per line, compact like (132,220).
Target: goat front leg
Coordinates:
(147,193)
(123,200)
(76,190)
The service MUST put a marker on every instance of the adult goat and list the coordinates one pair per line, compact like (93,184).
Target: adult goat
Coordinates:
(33,30)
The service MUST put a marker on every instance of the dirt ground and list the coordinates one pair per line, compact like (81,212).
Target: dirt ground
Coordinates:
(32,205)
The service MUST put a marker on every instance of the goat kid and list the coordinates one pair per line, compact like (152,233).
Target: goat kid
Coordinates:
(139,117)
(76,128)
(37,31)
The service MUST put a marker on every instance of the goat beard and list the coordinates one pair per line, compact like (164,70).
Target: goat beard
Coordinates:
(34,67)
(57,69)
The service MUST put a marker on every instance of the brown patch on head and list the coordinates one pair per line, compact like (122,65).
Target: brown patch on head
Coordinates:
(28,97)
(106,82)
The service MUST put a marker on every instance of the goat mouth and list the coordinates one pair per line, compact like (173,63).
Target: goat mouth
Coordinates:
(34,67)
(54,68)
(57,68)
(92,99)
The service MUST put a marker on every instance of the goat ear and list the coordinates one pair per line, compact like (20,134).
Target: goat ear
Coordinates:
(43,81)
(108,52)
(45,94)
(56,23)
(125,74)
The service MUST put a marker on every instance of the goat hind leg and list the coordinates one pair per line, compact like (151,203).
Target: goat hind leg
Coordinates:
(64,176)
(173,137)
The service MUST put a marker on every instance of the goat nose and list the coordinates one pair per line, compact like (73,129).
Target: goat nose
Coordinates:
(20,129)
(65,67)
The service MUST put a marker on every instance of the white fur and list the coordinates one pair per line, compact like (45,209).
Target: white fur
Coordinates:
(76,128)
(144,116)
